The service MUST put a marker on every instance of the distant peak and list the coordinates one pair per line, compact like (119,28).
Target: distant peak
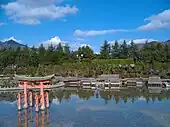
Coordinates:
(11,39)
(167,41)
(11,43)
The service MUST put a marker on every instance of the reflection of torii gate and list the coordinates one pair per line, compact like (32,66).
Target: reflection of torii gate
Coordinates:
(26,116)
(34,83)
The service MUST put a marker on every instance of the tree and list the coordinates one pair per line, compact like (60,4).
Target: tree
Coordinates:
(105,50)
(145,52)
(26,55)
(133,53)
(59,55)
(124,50)
(115,50)
(42,52)
(60,48)
(152,54)
(34,58)
(67,49)
(159,52)
(87,52)
(61,60)
(50,56)
(166,53)
(67,52)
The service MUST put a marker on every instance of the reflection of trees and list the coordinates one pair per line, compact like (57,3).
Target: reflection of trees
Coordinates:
(116,98)
(125,99)
(67,95)
(85,94)
(159,98)
(59,94)
(8,96)
(153,98)
(131,95)
(106,95)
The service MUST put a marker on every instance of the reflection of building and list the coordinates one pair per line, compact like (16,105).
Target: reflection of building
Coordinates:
(26,118)
(155,83)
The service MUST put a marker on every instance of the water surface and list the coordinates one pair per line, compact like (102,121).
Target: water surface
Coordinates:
(72,108)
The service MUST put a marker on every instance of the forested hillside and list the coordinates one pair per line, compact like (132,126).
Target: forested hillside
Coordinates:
(128,60)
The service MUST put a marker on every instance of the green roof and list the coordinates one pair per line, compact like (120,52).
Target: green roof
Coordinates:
(27,78)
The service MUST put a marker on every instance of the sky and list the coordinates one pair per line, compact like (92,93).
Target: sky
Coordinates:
(84,22)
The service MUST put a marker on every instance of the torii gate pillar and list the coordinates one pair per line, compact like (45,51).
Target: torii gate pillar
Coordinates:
(42,96)
(25,96)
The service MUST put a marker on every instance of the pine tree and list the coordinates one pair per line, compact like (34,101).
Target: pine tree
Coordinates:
(115,50)
(166,53)
(42,52)
(67,52)
(105,50)
(124,50)
(133,53)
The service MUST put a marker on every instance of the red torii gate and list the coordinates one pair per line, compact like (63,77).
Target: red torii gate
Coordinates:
(36,82)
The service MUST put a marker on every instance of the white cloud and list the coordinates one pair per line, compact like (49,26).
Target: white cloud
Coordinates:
(11,38)
(141,98)
(161,20)
(56,40)
(32,11)
(97,52)
(8,102)
(53,41)
(2,23)
(75,46)
(56,101)
(84,45)
(80,39)
(80,33)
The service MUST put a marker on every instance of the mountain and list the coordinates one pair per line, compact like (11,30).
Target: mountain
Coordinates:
(10,44)
(168,41)
(140,45)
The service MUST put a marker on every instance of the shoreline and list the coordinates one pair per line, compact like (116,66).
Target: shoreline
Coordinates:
(106,82)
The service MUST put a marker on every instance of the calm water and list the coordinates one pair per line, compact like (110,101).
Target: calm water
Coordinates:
(71,108)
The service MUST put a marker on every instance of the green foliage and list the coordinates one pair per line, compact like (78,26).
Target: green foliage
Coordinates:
(124,50)
(105,50)
(115,50)
(116,58)
(87,52)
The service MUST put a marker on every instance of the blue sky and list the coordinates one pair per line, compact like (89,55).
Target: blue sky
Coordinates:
(80,22)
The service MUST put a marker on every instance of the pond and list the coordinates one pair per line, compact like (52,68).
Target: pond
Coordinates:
(72,108)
